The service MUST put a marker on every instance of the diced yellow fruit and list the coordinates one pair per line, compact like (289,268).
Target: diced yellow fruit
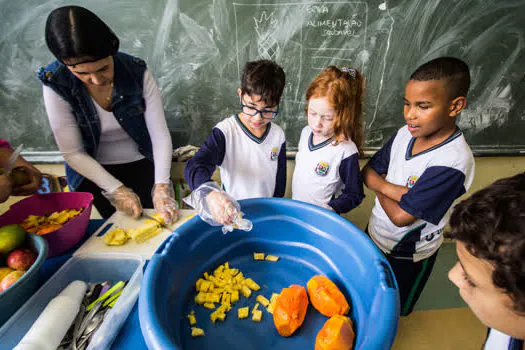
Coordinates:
(211,278)
(233,272)
(243,312)
(218,270)
(197,332)
(192,318)
(255,308)
(206,276)
(235,296)
(246,291)
(258,256)
(270,308)
(226,265)
(219,283)
(116,237)
(273,298)
(257,316)
(226,298)
(199,283)
(216,298)
(272,258)
(200,298)
(261,299)
(239,277)
(217,315)
(204,285)
(209,305)
(251,284)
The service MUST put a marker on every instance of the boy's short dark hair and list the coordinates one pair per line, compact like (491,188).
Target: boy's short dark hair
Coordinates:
(74,32)
(454,70)
(491,224)
(265,78)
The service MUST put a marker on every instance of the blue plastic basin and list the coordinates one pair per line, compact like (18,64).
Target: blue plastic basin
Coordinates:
(309,240)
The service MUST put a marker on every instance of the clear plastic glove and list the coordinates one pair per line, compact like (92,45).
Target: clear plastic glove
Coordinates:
(164,202)
(217,208)
(125,201)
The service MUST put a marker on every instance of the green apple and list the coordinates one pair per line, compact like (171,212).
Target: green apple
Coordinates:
(11,236)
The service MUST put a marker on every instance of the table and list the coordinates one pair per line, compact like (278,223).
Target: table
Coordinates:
(130,335)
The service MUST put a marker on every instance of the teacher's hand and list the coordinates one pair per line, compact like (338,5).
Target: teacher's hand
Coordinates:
(125,201)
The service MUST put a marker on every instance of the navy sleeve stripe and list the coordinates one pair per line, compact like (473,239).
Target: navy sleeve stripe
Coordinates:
(353,193)
(201,167)
(280,180)
(434,193)
(381,159)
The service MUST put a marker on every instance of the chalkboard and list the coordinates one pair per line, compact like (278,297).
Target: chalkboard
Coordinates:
(196,50)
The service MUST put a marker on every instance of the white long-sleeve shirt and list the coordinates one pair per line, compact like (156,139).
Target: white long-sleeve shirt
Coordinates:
(115,146)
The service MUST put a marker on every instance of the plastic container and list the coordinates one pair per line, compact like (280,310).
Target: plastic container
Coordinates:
(308,239)
(90,268)
(13,297)
(70,233)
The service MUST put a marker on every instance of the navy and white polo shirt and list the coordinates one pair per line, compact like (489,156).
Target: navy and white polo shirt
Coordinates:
(250,167)
(497,340)
(435,178)
(327,174)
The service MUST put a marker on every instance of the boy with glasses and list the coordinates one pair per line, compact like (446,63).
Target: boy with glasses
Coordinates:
(248,147)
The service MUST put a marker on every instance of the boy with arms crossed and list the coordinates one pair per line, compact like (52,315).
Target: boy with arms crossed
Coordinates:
(419,173)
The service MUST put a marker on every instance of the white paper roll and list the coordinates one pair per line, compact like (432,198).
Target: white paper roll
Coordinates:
(51,326)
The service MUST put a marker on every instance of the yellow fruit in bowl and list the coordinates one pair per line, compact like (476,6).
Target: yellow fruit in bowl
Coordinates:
(11,236)
(4,271)
(10,279)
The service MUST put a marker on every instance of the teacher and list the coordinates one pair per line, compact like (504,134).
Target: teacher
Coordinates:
(106,113)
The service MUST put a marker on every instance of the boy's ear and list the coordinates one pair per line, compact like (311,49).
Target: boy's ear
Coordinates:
(239,92)
(457,105)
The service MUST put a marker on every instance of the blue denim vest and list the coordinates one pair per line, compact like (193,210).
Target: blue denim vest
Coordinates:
(127,104)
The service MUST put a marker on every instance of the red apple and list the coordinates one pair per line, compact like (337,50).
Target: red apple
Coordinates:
(21,259)
(8,280)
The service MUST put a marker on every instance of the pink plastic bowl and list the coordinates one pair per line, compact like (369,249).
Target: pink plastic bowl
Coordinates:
(70,233)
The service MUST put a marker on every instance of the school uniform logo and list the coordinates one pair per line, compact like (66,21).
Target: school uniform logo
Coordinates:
(411,181)
(322,168)
(273,153)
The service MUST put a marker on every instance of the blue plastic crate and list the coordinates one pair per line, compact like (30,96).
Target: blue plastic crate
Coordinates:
(309,240)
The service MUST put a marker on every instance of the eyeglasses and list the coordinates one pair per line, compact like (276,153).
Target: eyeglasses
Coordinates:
(265,113)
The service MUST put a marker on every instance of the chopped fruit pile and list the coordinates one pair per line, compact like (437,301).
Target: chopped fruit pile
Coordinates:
(49,223)
(140,234)
(225,286)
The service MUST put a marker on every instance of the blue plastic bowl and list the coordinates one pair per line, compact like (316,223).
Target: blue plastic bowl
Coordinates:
(308,239)
(16,295)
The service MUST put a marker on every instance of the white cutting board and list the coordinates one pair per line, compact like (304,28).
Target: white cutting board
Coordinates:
(95,244)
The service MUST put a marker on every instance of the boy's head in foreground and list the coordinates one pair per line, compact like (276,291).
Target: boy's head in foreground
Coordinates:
(490,231)
(262,85)
(434,96)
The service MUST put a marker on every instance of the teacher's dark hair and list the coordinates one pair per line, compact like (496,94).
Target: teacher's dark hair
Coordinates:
(75,32)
